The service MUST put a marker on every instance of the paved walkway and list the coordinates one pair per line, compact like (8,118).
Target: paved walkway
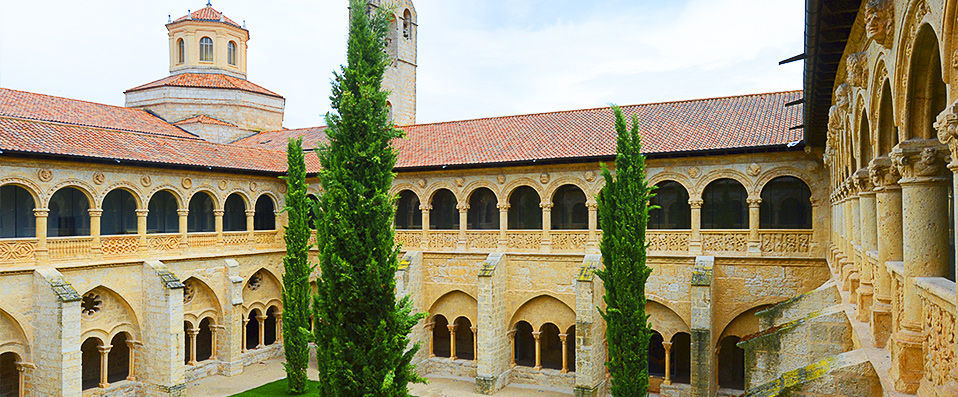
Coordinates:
(271,370)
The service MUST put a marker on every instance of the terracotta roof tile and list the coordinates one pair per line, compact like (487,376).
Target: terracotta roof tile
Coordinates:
(668,127)
(203,119)
(34,106)
(206,80)
(208,13)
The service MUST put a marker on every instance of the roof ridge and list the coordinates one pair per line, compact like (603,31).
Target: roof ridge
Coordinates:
(72,99)
(100,127)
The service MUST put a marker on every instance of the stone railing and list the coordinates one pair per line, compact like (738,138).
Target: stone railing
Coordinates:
(67,248)
(524,240)
(409,239)
(443,239)
(671,241)
(897,271)
(482,239)
(267,238)
(717,241)
(120,245)
(569,240)
(785,242)
(17,250)
(235,239)
(201,240)
(163,242)
(938,322)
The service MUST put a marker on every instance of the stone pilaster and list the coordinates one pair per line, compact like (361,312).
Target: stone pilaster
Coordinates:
(229,343)
(161,368)
(503,226)
(592,243)
(546,226)
(947,126)
(703,379)
(493,359)
(42,251)
(590,351)
(867,232)
(56,344)
(854,276)
(888,242)
(463,223)
(754,244)
(409,284)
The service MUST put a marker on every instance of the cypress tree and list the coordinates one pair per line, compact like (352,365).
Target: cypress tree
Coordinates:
(362,331)
(624,212)
(296,295)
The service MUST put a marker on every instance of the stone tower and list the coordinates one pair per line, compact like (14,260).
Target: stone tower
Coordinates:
(207,92)
(400,78)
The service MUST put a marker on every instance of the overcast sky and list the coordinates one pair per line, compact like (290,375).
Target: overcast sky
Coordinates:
(476,58)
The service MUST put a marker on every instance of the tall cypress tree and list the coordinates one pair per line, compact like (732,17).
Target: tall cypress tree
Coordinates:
(624,213)
(362,331)
(296,295)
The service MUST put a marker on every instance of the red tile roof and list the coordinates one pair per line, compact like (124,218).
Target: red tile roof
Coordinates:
(208,13)
(203,119)
(206,80)
(726,123)
(34,106)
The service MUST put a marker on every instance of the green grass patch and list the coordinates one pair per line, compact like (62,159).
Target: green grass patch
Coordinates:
(276,388)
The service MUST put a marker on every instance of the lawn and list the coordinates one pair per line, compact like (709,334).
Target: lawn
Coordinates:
(277,388)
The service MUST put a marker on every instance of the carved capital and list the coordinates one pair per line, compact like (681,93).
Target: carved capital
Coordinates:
(182,212)
(546,205)
(883,174)
(947,126)
(696,203)
(863,181)
(754,202)
(919,159)
(41,212)
(142,213)
(95,212)
(451,327)
(857,67)
(250,212)
(592,204)
(425,207)
(218,212)
(462,207)
(503,206)
(879,21)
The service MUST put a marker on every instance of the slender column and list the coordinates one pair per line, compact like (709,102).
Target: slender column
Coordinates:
(546,225)
(695,241)
(668,363)
(432,348)
(95,246)
(503,226)
(475,344)
(536,335)
(183,226)
(512,347)
(214,330)
(593,238)
(218,226)
(243,333)
(22,368)
(856,241)
(565,363)
(868,233)
(250,216)
(463,222)
(132,345)
(424,240)
(261,320)
(754,244)
(42,252)
(848,264)
(947,126)
(279,324)
(104,359)
(141,228)
(925,252)
(452,341)
(888,241)
(191,333)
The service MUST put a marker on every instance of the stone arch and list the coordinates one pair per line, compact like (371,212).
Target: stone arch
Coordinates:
(217,200)
(544,309)
(886,130)
(455,304)
(105,313)
(83,187)
(30,187)
(176,193)
(916,18)
(471,188)
(430,192)
(673,177)
(399,187)
(247,199)
(265,212)
(199,301)
(514,184)
(715,175)
(744,323)
(261,288)
(12,336)
(665,320)
(861,139)
(279,201)
(444,214)
(554,185)
(129,188)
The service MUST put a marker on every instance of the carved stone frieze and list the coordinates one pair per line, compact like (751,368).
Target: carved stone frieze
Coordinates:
(883,174)
(856,65)
(919,158)
(947,126)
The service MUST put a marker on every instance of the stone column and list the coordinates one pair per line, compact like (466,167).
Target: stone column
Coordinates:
(668,363)
(854,276)
(141,216)
(463,222)
(192,335)
(702,378)
(218,226)
(818,229)
(452,341)
(95,245)
(425,208)
(261,320)
(132,345)
(593,240)
(888,242)
(56,337)
(848,248)
(868,232)
(279,325)
(565,363)
(184,228)
(214,345)
(947,127)
(925,251)
(590,350)
(754,243)
(432,348)
(536,335)
(503,226)
(512,347)
(475,344)
(250,216)
(546,225)
(104,359)
(695,241)
(245,323)
(22,368)
(42,252)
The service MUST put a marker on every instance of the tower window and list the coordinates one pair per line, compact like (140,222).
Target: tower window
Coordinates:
(407,24)
(206,49)
(231,53)
(180,51)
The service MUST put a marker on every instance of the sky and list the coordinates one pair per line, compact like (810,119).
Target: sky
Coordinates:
(476,58)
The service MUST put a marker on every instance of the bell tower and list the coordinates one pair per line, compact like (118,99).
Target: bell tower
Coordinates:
(206,41)
(400,77)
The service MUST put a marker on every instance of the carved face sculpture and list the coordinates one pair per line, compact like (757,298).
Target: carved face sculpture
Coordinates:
(878,19)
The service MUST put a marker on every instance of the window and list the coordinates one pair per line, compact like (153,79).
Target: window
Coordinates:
(786,204)
(444,215)
(265,217)
(673,211)
(525,211)
(69,214)
(16,213)
(119,213)
(231,53)
(408,214)
(483,210)
(200,216)
(234,214)
(407,24)
(724,205)
(180,51)
(206,49)
(162,216)
(568,209)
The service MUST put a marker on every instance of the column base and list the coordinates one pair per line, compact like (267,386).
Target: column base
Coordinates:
(907,361)
(864,302)
(881,322)
(853,282)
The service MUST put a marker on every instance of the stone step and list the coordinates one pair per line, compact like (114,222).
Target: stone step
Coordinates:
(800,306)
(848,374)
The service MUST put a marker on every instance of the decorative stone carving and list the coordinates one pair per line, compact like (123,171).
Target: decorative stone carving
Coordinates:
(45,175)
(754,169)
(947,126)
(880,21)
(252,186)
(146,181)
(544,177)
(98,178)
(223,184)
(590,176)
(189,291)
(187,183)
(696,203)
(422,182)
(91,304)
(667,241)
(501,178)
(460,181)
(255,282)
(939,343)
(918,162)
(856,65)
(862,180)
(694,172)
(786,242)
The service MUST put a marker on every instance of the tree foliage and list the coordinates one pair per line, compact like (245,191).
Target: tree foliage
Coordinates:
(296,294)
(362,331)
(624,213)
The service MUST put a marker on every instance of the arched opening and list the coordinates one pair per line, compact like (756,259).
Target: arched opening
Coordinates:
(265,217)
(570,348)
(525,345)
(234,214)
(408,214)
(187,342)
(731,364)
(444,215)
(681,358)
(231,53)
(9,376)
(389,111)
(269,326)
(204,340)
(483,210)
(724,205)
(313,207)
(90,363)
(118,359)
(200,217)
(786,204)
(407,24)
(440,336)
(673,202)
(119,213)
(568,208)
(525,211)
(16,213)
(69,213)
(252,330)
(926,90)
(865,140)
(180,51)
(464,338)
(887,133)
(550,346)
(162,216)
(656,355)
(206,49)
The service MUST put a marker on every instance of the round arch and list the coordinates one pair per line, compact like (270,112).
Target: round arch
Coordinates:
(454,304)
(17,205)
(30,188)
(84,188)
(544,309)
